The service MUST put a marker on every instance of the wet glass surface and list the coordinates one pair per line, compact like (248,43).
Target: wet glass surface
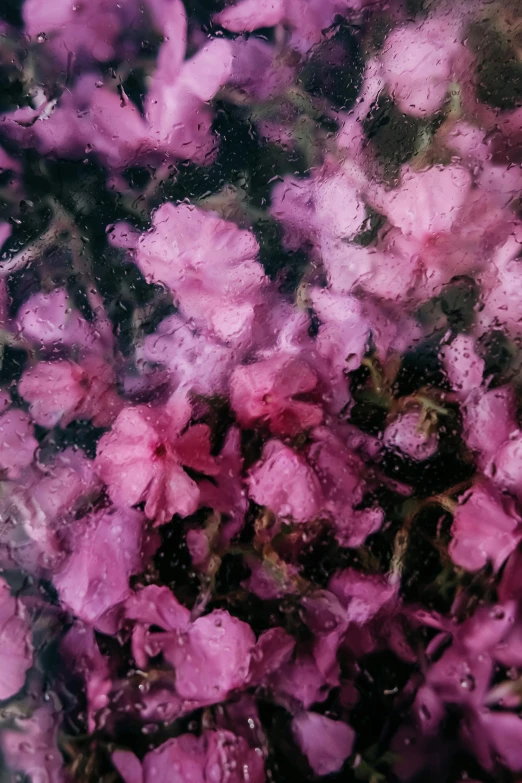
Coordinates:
(260,383)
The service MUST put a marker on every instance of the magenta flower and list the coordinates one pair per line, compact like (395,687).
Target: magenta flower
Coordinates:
(271,392)
(212,658)
(409,435)
(325,742)
(107,548)
(80,650)
(307,19)
(273,649)
(489,421)
(341,475)
(485,528)
(506,469)
(51,494)
(285,483)
(226,492)
(299,683)
(176,122)
(203,759)
(141,459)
(362,595)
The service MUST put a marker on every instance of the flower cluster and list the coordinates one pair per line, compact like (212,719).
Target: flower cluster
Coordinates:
(260,453)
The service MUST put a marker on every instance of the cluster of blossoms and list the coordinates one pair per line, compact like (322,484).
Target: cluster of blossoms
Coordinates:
(260,453)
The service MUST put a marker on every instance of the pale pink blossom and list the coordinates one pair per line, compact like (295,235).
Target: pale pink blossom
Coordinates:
(209,264)
(419,61)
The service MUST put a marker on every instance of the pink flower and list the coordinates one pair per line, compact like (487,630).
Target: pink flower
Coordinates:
(326,743)
(141,458)
(210,266)
(418,63)
(16,655)
(506,468)
(176,123)
(489,421)
(212,658)
(484,529)
(326,209)
(273,649)
(203,759)
(379,271)
(462,364)
(285,483)
(362,595)
(427,203)
(63,484)
(307,19)
(299,683)
(154,605)
(88,31)
(48,319)
(341,475)
(293,205)
(342,339)
(17,442)
(339,210)
(50,495)
(60,392)
(226,493)
(176,116)
(80,651)
(195,360)
(501,307)
(266,392)
(107,548)
(262,72)
(408,434)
